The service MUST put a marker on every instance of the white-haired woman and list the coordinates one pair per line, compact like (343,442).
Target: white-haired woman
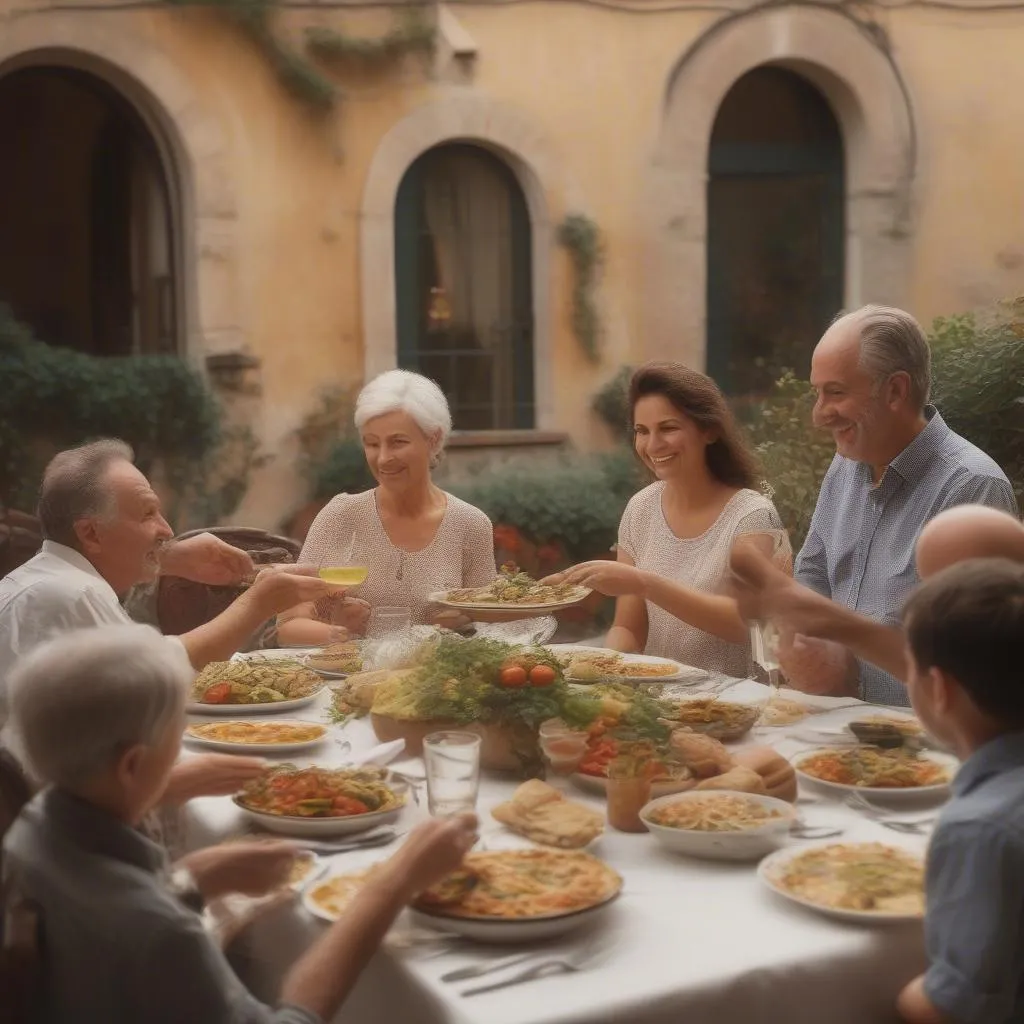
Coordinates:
(414,538)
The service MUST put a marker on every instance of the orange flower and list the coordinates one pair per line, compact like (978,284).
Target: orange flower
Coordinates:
(507,538)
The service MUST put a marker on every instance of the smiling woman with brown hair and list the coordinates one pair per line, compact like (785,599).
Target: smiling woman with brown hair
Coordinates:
(675,535)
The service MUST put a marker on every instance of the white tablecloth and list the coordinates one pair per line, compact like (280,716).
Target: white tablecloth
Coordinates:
(691,942)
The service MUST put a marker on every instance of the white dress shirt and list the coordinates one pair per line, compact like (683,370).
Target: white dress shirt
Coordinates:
(55,591)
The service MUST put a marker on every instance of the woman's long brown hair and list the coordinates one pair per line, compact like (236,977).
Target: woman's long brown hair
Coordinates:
(697,397)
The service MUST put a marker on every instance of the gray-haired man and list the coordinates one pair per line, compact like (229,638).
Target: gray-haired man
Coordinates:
(101,712)
(897,465)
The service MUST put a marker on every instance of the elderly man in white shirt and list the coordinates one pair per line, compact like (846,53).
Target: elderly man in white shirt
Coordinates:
(104,534)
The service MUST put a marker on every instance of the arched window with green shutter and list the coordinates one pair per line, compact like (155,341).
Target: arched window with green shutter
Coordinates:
(463,285)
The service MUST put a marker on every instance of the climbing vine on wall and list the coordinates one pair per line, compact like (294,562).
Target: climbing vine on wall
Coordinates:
(581,237)
(296,67)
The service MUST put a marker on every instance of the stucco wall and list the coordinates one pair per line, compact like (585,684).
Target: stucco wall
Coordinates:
(285,236)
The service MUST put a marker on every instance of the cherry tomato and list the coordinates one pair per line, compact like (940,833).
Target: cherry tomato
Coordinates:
(217,694)
(542,675)
(513,676)
(346,805)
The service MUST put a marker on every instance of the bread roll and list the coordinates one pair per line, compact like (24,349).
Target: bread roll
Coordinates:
(703,755)
(739,779)
(777,773)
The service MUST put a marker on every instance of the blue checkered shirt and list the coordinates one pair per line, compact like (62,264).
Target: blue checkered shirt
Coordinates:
(860,547)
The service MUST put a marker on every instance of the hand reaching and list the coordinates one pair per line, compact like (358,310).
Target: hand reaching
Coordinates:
(433,850)
(211,775)
(613,579)
(205,559)
(252,868)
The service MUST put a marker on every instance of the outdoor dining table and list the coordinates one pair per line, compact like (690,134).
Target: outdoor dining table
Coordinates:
(688,941)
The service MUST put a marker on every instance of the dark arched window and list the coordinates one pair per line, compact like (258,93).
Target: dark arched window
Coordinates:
(775,229)
(463,282)
(88,247)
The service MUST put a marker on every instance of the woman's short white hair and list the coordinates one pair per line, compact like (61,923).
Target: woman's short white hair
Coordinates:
(78,702)
(412,393)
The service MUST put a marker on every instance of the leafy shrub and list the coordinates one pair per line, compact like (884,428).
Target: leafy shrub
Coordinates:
(53,398)
(978,374)
(611,405)
(575,507)
(332,455)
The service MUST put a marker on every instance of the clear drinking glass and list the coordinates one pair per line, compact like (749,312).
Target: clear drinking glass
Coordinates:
(452,761)
(764,637)
(385,621)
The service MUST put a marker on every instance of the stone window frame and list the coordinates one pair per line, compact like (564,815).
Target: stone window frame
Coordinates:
(459,117)
(861,81)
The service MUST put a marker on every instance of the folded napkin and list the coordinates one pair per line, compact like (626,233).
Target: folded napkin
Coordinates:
(382,754)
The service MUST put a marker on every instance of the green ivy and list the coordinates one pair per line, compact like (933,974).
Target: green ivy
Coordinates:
(581,237)
(611,404)
(577,505)
(54,397)
(412,33)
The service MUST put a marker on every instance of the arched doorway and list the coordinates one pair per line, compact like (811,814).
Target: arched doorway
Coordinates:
(88,253)
(463,285)
(775,234)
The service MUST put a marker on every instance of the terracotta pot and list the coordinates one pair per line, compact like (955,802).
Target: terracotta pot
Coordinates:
(497,752)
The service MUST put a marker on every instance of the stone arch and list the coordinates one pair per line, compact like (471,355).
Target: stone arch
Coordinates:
(860,80)
(191,143)
(513,138)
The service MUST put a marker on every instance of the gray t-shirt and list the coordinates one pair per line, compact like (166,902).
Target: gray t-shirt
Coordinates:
(117,946)
(975,890)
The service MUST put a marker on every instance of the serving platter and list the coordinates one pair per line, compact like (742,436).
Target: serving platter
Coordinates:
(578,594)
(270,707)
(680,674)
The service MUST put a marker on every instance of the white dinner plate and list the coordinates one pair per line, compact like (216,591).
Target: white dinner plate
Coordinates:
(880,792)
(258,748)
(520,930)
(681,673)
(770,869)
(197,708)
(276,654)
(294,825)
(441,598)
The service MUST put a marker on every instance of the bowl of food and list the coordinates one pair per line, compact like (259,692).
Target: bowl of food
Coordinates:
(322,801)
(877,772)
(719,824)
(724,720)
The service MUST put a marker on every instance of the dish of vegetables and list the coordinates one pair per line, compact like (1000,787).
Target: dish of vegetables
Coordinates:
(229,686)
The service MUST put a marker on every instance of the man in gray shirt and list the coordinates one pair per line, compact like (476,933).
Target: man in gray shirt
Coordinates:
(897,466)
(101,714)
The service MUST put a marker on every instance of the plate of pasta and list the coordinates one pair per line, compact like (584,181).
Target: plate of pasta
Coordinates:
(283,736)
(865,882)
(519,895)
(322,801)
(252,686)
(329,897)
(876,771)
(512,590)
(595,665)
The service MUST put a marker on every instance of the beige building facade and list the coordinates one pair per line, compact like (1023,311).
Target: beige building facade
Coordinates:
(749,171)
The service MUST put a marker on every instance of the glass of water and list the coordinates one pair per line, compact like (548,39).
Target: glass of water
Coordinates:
(453,772)
(386,621)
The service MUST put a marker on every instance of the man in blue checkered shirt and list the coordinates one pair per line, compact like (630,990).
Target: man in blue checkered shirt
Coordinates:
(897,465)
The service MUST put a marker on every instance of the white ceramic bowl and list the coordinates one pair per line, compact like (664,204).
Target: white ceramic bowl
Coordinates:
(293,825)
(748,844)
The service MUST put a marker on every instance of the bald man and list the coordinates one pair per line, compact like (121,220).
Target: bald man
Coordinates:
(956,535)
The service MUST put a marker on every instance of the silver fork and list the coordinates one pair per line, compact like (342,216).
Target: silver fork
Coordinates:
(568,964)
(909,826)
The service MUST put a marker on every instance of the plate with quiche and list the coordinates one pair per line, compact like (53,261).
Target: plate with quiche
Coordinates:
(866,882)
(596,665)
(519,895)
(244,736)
